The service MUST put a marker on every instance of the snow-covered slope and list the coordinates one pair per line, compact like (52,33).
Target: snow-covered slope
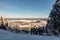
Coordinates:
(5,35)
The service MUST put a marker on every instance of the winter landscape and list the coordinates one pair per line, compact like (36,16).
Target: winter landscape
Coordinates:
(5,35)
(29,20)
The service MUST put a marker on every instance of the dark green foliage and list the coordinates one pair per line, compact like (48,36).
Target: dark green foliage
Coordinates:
(53,23)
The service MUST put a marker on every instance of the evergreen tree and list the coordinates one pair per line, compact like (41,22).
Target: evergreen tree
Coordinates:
(53,23)
(2,24)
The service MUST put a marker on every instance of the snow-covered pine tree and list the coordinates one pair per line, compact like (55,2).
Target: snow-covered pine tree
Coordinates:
(53,23)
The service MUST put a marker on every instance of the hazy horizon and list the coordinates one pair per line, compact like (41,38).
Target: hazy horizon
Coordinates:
(25,8)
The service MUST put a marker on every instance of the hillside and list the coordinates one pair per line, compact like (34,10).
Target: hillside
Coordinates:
(5,35)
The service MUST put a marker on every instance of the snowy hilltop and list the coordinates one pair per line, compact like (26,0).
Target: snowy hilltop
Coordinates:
(39,33)
(5,35)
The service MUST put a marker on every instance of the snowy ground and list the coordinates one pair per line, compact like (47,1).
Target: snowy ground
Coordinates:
(5,35)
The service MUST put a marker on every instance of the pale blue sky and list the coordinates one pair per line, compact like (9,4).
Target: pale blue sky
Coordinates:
(25,8)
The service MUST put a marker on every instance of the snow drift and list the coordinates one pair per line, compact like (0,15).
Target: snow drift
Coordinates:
(6,35)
